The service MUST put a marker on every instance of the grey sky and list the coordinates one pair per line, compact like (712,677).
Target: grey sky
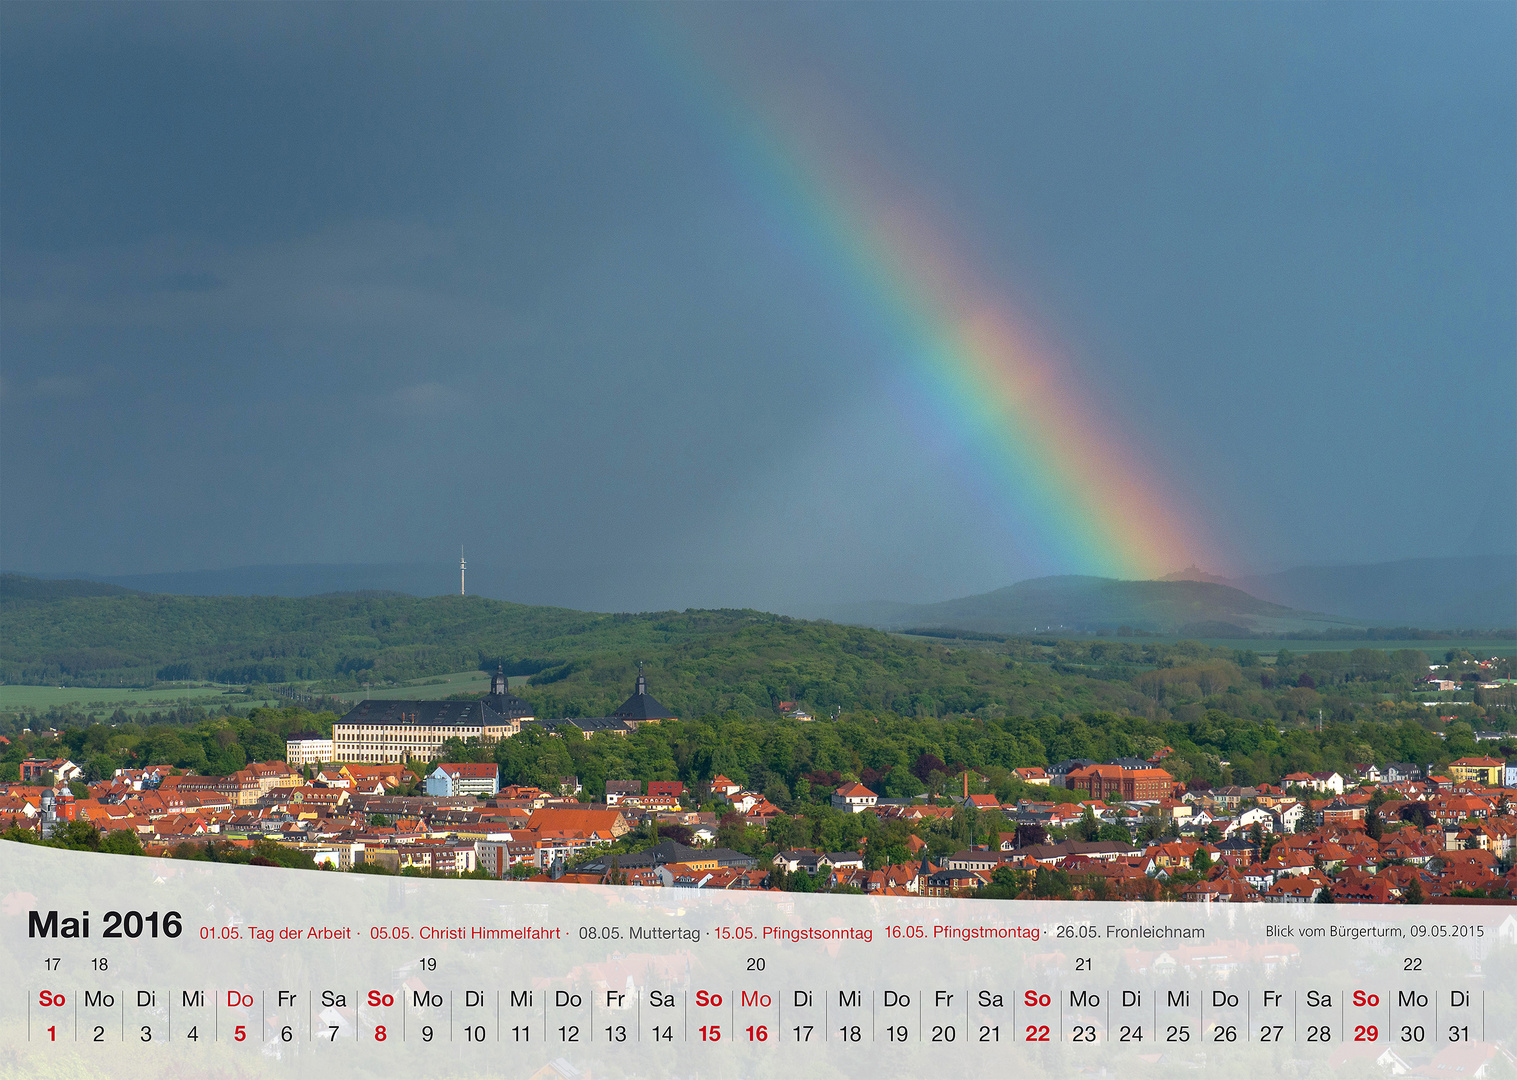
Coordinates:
(328,283)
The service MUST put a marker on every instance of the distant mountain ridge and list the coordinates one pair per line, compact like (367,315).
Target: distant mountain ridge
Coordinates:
(1080,603)
(1463,592)
(1472,592)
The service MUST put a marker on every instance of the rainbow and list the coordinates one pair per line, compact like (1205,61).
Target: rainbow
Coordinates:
(1053,467)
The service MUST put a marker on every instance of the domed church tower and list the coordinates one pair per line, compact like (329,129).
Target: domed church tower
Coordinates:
(641,707)
(502,700)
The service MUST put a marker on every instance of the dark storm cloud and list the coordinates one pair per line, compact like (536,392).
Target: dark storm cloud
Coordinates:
(307,283)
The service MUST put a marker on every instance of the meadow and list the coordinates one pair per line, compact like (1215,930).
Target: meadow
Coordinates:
(42,698)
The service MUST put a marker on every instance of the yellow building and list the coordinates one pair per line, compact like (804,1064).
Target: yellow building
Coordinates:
(1477,770)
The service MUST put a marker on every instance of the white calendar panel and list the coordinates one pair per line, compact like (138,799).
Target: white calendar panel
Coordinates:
(128,967)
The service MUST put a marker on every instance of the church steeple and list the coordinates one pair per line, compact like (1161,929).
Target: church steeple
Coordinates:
(640,706)
(498,682)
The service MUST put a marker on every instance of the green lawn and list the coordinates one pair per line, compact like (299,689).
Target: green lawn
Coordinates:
(99,698)
(165,697)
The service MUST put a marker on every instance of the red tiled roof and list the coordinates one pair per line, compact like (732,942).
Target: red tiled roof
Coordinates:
(470,771)
(854,790)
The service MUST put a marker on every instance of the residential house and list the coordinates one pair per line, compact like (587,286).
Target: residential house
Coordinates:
(1238,849)
(1287,817)
(761,813)
(464,778)
(64,771)
(1173,856)
(1338,811)
(853,797)
(1229,797)
(744,801)
(1256,815)
(723,788)
(842,860)
(1327,781)
(793,859)
(1297,889)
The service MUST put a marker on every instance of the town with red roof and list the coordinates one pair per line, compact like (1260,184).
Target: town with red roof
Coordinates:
(1124,829)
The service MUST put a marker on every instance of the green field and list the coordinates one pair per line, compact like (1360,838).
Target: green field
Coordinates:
(39,698)
(98,698)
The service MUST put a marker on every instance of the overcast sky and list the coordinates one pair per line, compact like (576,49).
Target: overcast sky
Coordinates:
(300,283)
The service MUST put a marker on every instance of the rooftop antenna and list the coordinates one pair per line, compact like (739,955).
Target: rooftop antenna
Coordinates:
(462,566)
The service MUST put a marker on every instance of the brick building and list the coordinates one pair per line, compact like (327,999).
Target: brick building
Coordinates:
(1115,782)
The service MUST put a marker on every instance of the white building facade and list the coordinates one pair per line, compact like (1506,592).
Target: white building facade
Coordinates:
(308,750)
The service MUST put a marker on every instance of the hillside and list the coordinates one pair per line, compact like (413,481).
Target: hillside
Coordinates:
(582,663)
(1074,603)
(725,673)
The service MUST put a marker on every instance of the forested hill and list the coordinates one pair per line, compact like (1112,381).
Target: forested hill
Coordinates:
(582,663)
(48,631)
(699,663)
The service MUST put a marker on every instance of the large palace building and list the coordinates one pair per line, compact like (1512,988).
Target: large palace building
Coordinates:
(384,731)
(399,731)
